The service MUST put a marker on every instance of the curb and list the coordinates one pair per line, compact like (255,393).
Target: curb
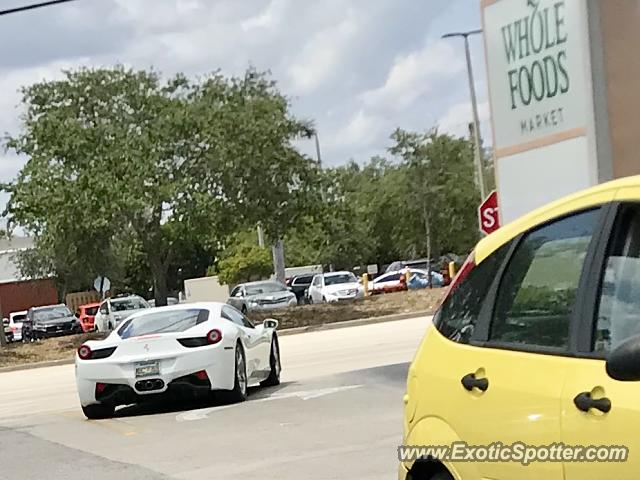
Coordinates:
(289,331)
(354,323)
(29,366)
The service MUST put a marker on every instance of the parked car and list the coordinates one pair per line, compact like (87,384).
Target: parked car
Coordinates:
(49,321)
(540,337)
(261,296)
(391,281)
(113,311)
(8,334)
(299,286)
(170,301)
(334,287)
(183,350)
(87,316)
(15,321)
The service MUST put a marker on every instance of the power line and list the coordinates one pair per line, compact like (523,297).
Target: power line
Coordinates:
(33,6)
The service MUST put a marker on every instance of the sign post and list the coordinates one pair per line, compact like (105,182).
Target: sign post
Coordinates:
(102,285)
(488,218)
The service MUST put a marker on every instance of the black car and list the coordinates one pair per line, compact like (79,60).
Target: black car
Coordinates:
(299,285)
(49,321)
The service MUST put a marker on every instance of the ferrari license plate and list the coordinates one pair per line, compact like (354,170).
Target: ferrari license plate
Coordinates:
(147,369)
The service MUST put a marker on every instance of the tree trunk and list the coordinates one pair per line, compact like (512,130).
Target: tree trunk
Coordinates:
(3,339)
(160,288)
(278,260)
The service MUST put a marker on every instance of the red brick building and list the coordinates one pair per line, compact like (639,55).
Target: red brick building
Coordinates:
(16,292)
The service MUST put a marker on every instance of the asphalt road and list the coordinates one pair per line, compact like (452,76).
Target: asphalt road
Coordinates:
(337,414)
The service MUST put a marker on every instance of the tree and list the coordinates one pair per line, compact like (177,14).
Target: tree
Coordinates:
(244,260)
(105,149)
(383,211)
(441,193)
(117,152)
(268,180)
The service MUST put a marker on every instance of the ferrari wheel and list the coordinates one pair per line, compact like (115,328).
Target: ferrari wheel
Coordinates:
(239,392)
(274,361)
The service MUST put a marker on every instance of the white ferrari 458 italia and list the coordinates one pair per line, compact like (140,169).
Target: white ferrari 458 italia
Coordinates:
(184,350)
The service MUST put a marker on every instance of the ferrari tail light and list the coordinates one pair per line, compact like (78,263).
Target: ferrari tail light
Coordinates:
(84,352)
(100,387)
(468,265)
(214,336)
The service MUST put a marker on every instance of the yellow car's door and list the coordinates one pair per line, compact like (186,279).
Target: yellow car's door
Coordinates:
(599,410)
(509,387)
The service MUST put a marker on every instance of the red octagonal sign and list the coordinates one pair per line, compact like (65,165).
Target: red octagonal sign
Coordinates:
(488,214)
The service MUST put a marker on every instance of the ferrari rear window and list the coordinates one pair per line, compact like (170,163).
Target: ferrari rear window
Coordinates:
(163,321)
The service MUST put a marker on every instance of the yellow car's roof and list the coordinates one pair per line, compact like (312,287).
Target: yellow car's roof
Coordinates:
(598,195)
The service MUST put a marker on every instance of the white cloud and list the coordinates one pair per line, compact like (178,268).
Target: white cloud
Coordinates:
(270,17)
(359,69)
(414,75)
(360,131)
(321,58)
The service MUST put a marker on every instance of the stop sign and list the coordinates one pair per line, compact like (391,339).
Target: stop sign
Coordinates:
(488,214)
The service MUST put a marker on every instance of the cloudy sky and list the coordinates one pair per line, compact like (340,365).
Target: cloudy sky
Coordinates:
(357,68)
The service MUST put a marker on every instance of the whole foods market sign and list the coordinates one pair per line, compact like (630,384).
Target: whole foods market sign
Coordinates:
(536,51)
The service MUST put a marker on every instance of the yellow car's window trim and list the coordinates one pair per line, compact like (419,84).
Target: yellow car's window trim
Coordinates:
(593,197)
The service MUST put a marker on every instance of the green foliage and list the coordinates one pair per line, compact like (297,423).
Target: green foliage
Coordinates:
(244,260)
(533,300)
(141,178)
(442,196)
(378,212)
(116,154)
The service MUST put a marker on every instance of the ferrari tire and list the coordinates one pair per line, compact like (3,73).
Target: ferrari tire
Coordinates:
(240,384)
(99,411)
(274,362)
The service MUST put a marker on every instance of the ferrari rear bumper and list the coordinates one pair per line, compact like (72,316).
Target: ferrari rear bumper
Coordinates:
(102,381)
(187,387)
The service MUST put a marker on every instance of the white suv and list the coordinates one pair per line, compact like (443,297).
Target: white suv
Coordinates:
(112,311)
(15,324)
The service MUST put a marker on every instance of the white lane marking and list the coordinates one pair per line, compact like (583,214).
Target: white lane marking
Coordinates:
(203,413)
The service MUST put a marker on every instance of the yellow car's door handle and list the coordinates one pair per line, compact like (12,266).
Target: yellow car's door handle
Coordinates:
(469,382)
(585,402)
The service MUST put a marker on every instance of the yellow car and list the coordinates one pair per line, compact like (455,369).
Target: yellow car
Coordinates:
(531,367)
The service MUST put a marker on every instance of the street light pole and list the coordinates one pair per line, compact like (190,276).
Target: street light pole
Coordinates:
(474,104)
(318,150)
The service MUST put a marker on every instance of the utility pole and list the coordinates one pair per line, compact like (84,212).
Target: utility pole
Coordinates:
(277,251)
(474,104)
(318,156)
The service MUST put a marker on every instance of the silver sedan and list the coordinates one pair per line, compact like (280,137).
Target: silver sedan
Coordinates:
(261,296)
